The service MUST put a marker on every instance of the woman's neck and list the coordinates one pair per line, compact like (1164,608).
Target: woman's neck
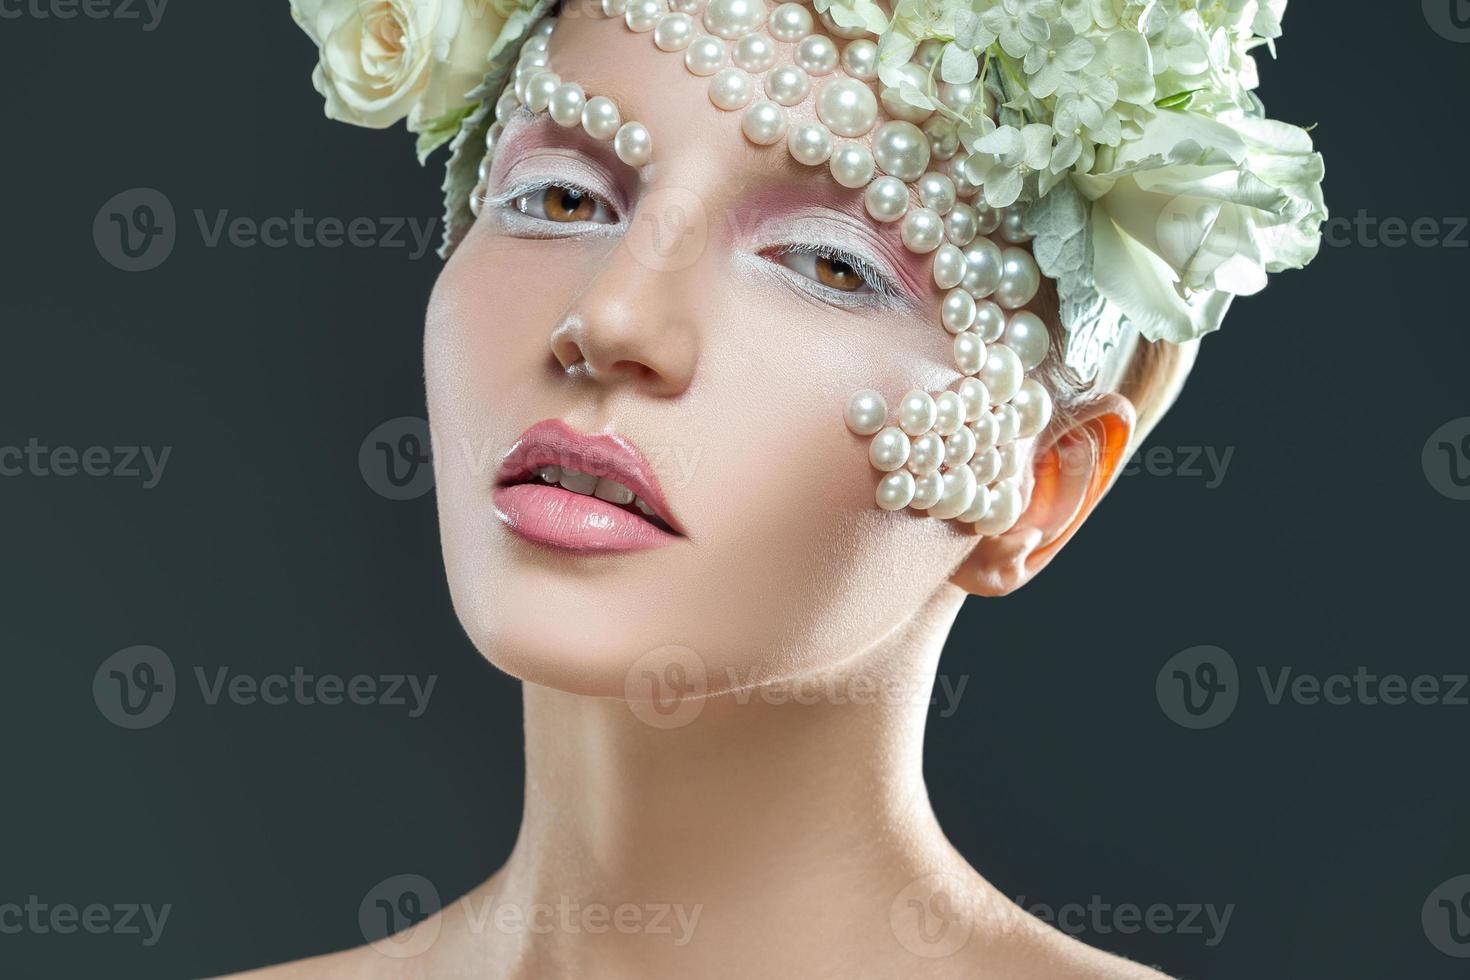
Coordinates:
(798,802)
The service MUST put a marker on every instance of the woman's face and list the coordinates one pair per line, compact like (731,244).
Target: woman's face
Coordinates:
(708,311)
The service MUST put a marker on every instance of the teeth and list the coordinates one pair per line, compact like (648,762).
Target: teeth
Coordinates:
(588,485)
(613,492)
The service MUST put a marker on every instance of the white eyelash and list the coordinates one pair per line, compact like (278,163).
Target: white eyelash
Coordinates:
(881,283)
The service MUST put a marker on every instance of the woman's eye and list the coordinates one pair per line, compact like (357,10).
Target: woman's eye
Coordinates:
(830,270)
(563,204)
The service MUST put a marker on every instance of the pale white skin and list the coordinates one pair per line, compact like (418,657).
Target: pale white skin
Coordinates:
(796,829)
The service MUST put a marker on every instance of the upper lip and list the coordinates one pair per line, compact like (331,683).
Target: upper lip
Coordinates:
(553,442)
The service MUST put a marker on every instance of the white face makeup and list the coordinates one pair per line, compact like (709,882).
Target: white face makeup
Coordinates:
(955,454)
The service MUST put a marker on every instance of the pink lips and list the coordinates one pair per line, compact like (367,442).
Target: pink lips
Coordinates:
(551,515)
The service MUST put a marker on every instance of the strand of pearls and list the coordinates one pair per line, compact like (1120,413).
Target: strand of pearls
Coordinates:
(956,454)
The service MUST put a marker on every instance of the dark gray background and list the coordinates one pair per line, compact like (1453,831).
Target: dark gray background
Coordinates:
(1326,546)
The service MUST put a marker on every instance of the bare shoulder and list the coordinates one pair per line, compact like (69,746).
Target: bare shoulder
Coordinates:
(1050,954)
(349,964)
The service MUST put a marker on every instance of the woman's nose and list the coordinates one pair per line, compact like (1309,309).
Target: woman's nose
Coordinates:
(637,321)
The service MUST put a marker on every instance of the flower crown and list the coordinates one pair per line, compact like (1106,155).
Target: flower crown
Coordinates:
(1126,133)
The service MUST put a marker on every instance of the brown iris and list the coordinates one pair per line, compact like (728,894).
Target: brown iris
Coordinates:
(568,204)
(838,274)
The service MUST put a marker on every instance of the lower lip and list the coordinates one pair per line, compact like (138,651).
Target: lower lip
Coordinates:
(559,518)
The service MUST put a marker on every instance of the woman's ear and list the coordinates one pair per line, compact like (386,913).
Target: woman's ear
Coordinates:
(1069,476)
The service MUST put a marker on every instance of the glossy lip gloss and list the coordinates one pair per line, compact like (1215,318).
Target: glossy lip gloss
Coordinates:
(551,515)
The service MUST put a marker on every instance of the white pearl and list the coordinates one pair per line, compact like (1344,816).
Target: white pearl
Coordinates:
(990,320)
(922,231)
(959,224)
(983,267)
(673,32)
(536,42)
(1011,228)
(860,59)
(600,117)
(1026,335)
(1005,510)
(978,507)
(936,192)
(959,493)
(1001,373)
(987,218)
(614,8)
(1011,460)
(788,84)
(1033,404)
(731,89)
(949,413)
(901,149)
(642,15)
(846,105)
(544,27)
(958,95)
(1007,423)
(928,488)
(957,311)
(764,122)
(887,198)
(810,143)
(730,19)
(926,453)
(975,396)
(916,412)
(754,53)
(987,431)
(866,412)
(817,54)
(959,446)
(852,165)
(943,137)
(949,266)
(790,22)
(477,197)
(956,167)
(928,52)
(705,55)
(690,7)
(633,144)
(889,450)
(1019,279)
(565,104)
(505,105)
(985,464)
(899,109)
(538,91)
(895,490)
(837,31)
(970,354)
(492,136)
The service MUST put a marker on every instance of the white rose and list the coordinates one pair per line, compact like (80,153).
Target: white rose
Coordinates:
(386,60)
(1199,210)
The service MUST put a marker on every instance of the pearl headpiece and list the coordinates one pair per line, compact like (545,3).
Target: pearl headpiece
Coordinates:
(956,454)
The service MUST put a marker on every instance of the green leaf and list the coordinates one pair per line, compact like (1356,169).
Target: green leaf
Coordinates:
(440,130)
(1179,100)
